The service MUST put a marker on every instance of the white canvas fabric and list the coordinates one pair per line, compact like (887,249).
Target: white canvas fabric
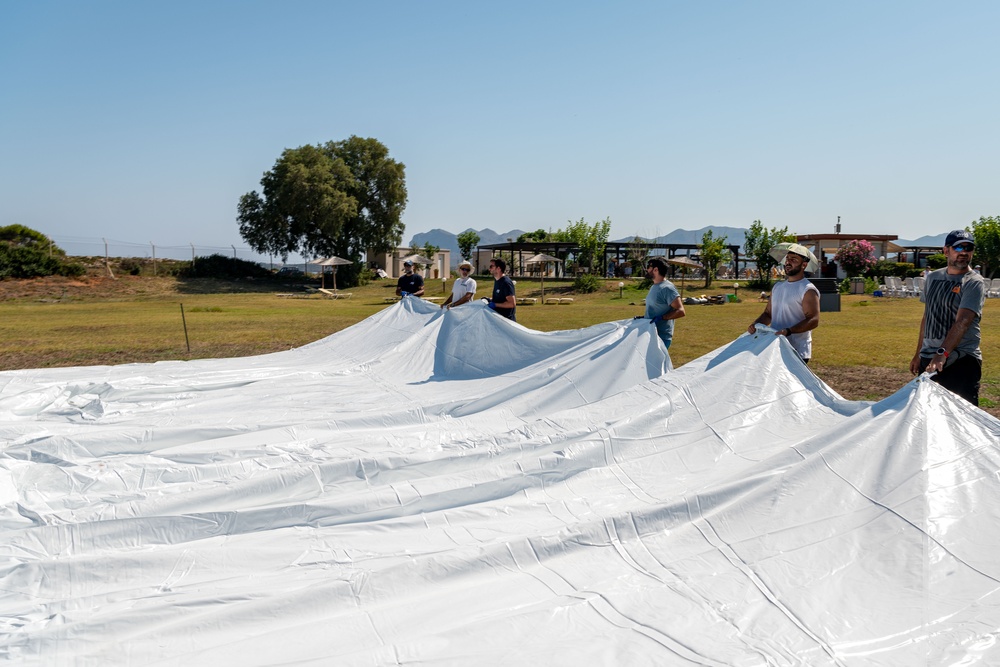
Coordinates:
(383,496)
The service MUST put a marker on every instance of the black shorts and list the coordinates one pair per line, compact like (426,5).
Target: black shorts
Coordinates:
(962,376)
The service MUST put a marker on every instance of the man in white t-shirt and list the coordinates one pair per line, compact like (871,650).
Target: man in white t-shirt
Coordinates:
(464,288)
(793,309)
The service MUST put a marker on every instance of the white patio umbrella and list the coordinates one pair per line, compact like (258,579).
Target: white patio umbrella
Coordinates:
(334,262)
(685,263)
(419,259)
(542,258)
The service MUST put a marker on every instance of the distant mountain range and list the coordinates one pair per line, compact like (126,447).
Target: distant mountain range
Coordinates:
(734,236)
(937,240)
(449,241)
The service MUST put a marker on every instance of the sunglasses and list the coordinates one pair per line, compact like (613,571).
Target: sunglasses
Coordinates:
(963,247)
(464,269)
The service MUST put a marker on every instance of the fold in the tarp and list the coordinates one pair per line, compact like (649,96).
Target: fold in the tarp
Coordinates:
(447,487)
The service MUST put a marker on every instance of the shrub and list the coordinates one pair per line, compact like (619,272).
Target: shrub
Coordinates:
(72,269)
(884,267)
(17,261)
(871,284)
(856,257)
(222,267)
(937,261)
(586,283)
(131,265)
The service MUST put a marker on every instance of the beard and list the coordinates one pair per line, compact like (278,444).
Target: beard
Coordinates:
(792,271)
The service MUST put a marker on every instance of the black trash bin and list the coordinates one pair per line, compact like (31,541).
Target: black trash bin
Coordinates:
(829,294)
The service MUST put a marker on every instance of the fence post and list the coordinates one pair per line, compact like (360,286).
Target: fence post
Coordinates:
(184,320)
(107,260)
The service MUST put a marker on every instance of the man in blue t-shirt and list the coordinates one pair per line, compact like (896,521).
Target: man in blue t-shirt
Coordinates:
(410,283)
(949,331)
(503,301)
(663,304)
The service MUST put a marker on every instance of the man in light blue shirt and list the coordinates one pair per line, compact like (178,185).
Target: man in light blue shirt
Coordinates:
(663,304)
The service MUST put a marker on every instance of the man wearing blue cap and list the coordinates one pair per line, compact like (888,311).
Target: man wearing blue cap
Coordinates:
(949,331)
(410,283)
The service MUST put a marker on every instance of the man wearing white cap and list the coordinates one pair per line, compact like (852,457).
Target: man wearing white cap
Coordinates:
(793,309)
(464,288)
(949,331)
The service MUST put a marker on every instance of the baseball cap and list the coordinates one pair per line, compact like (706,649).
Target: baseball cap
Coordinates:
(960,236)
(408,262)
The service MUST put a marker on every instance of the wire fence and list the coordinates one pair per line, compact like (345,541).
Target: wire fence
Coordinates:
(79,246)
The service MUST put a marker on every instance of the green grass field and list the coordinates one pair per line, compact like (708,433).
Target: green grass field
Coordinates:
(863,351)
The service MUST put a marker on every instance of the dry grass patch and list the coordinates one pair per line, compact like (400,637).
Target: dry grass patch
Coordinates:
(863,351)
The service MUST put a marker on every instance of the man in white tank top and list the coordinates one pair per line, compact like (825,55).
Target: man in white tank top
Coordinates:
(793,309)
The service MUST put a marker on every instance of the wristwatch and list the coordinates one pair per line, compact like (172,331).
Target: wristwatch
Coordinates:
(942,352)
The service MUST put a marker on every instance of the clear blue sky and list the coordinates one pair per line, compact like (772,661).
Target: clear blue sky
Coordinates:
(141,121)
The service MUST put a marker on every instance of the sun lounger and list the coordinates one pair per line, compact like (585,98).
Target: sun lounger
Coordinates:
(335,294)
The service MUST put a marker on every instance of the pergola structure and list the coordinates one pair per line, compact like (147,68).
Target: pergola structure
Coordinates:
(516,253)
(918,254)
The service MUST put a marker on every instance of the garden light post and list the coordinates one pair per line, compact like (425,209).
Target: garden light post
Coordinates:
(621,286)
(736,290)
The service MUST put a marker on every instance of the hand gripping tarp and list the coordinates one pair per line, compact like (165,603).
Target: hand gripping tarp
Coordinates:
(449,488)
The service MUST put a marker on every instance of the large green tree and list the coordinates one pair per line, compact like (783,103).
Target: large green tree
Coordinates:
(713,252)
(987,234)
(537,236)
(591,240)
(757,244)
(467,240)
(341,198)
(378,185)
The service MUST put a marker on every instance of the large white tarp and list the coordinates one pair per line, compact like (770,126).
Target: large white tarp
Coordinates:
(448,488)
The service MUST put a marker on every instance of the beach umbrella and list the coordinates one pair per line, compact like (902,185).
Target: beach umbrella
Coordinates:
(334,262)
(542,258)
(685,263)
(419,259)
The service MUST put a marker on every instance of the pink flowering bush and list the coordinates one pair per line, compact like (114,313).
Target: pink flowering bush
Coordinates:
(856,257)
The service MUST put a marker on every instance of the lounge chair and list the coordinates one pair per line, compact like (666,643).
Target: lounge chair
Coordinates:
(335,294)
